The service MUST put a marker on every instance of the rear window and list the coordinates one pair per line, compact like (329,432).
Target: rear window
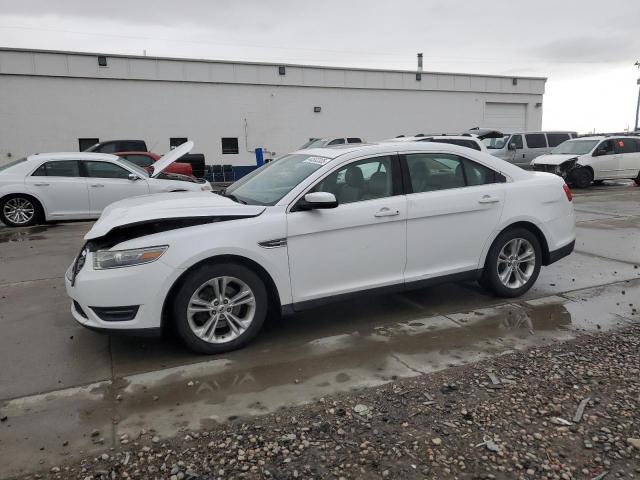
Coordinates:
(536,140)
(12,163)
(555,139)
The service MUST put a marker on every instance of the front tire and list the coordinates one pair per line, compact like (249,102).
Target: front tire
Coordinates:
(582,177)
(20,211)
(220,308)
(513,263)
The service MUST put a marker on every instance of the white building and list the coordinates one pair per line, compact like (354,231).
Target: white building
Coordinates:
(50,100)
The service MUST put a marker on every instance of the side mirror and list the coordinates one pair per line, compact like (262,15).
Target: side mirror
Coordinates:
(133,177)
(512,146)
(318,200)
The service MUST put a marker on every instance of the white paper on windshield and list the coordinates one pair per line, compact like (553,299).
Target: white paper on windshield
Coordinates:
(317,160)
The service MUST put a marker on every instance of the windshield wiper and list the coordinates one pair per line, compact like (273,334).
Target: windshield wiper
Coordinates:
(232,197)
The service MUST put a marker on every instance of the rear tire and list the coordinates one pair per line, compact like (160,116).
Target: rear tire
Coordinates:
(582,177)
(220,307)
(513,263)
(598,182)
(20,211)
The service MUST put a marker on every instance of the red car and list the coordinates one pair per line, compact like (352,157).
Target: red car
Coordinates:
(146,160)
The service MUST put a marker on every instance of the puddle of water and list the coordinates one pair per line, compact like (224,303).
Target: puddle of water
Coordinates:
(26,234)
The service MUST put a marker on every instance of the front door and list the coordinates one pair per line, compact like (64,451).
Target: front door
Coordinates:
(109,183)
(62,189)
(454,209)
(607,162)
(360,244)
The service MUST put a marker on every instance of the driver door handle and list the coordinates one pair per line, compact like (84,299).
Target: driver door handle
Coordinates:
(488,199)
(386,212)
(96,185)
(41,184)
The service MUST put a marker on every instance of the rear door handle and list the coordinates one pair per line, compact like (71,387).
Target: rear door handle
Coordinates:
(41,184)
(96,185)
(386,212)
(488,199)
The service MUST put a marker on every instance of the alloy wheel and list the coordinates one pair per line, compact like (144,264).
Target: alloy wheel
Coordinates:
(516,263)
(19,210)
(221,309)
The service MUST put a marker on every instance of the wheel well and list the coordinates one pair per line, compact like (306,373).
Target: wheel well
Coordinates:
(272,291)
(539,235)
(31,197)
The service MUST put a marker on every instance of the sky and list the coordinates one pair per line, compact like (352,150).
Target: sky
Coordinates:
(586,48)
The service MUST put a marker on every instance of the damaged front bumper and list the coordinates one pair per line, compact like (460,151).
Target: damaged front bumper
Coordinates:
(564,170)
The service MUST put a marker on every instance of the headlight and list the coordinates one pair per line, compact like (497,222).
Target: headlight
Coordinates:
(104,259)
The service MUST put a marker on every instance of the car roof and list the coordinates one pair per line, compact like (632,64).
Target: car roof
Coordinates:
(72,156)
(357,149)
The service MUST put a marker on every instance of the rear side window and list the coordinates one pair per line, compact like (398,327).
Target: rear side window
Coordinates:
(337,141)
(625,145)
(476,174)
(555,139)
(62,168)
(105,170)
(354,140)
(536,140)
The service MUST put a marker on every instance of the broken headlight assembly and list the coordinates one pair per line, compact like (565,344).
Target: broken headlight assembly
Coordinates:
(565,167)
(105,259)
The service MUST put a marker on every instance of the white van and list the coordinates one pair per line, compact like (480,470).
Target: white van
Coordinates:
(521,147)
(594,158)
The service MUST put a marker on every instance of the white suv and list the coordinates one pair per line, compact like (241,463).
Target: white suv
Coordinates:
(584,160)
(318,225)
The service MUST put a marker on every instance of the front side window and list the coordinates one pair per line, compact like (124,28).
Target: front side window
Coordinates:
(362,180)
(269,183)
(516,140)
(606,148)
(62,168)
(440,171)
(536,140)
(105,170)
(495,143)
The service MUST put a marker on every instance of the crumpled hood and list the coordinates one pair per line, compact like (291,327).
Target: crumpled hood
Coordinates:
(175,205)
(552,159)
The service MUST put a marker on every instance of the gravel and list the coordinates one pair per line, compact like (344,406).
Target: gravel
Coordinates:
(566,411)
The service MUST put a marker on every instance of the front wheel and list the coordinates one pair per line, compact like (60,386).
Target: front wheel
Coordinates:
(220,308)
(513,263)
(19,211)
(582,177)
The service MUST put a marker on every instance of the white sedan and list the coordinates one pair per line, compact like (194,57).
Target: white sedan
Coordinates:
(73,186)
(314,226)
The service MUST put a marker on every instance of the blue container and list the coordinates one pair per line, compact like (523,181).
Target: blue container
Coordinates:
(259,157)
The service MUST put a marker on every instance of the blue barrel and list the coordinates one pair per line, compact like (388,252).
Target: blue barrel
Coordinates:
(259,157)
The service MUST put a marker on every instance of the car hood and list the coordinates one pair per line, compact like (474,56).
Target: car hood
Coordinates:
(165,206)
(552,159)
(170,157)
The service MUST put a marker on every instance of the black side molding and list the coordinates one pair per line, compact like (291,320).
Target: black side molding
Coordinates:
(559,253)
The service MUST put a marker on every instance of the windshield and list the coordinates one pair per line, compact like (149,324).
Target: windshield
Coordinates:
(12,163)
(495,143)
(139,170)
(271,182)
(314,143)
(579,147)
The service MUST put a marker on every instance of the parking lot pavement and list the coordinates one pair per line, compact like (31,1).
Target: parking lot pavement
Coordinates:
(55,371)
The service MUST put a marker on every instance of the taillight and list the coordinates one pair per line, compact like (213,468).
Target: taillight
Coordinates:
(567,192)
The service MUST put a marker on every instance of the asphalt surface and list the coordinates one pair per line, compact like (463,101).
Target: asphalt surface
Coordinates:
(55,373)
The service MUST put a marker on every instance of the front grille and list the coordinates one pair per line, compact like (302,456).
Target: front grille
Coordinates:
(116,314)
(79,309)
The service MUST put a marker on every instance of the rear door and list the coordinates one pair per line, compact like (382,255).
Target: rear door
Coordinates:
(454,208)
(62,189)
(627,149)
(108,183)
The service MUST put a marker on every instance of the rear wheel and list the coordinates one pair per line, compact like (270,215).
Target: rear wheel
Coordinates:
(598,182)
(220,308)
(582,177)
(20,211)
(513,263)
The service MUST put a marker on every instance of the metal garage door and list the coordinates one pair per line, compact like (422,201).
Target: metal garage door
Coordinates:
(510,117)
